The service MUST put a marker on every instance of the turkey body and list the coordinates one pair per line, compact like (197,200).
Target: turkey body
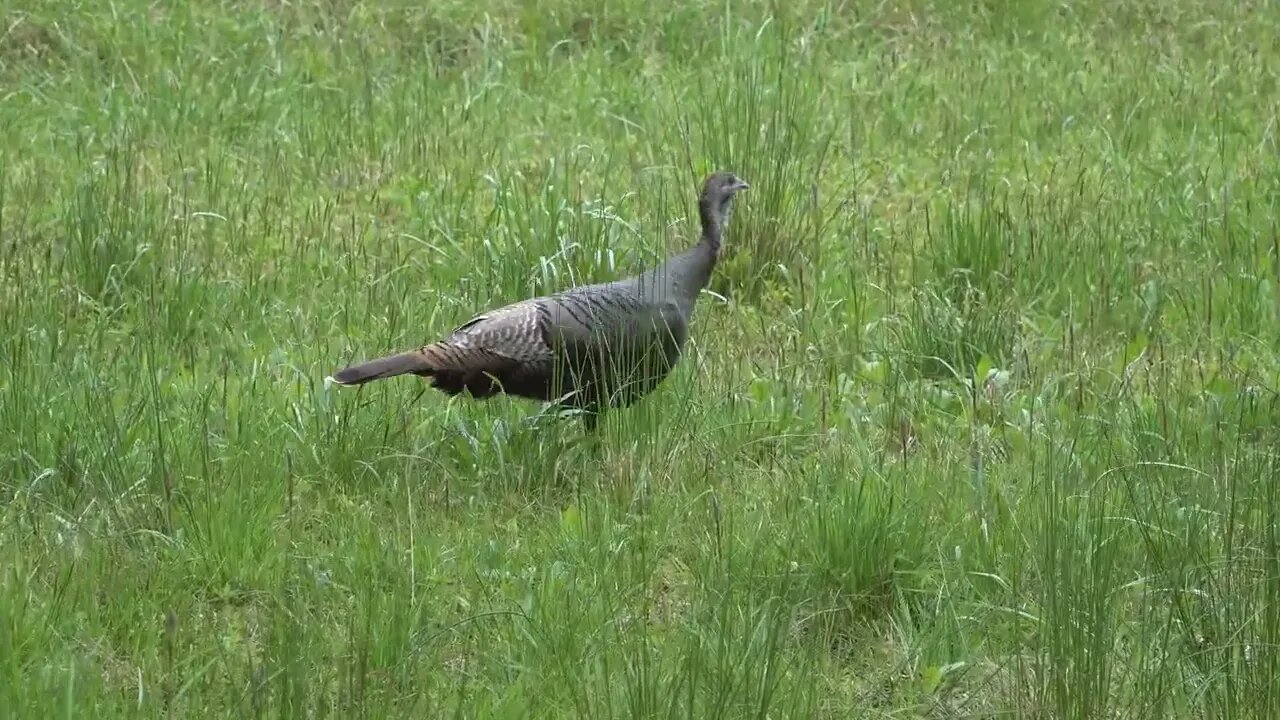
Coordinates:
(590,347)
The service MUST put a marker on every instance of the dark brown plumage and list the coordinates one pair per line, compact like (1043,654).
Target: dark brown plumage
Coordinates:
(589,347)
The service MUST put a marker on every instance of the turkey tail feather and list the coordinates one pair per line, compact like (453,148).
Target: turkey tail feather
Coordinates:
(414,361)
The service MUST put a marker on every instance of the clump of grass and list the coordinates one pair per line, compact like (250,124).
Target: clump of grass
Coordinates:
(754,114)
(849,542)
(947,339)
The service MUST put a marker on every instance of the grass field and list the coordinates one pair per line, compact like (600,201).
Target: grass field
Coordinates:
(980,419)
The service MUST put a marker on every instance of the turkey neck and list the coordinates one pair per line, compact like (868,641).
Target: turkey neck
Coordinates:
(700,260)
(712,226)
(686,274)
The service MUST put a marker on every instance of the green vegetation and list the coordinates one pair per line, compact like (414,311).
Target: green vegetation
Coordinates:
(980,420)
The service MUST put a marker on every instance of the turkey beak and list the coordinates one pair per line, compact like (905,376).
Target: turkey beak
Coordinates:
(740,186)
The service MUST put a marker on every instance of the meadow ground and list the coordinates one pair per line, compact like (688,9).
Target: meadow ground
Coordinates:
(979,420)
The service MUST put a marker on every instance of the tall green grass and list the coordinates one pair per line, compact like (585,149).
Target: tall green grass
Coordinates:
(979,418)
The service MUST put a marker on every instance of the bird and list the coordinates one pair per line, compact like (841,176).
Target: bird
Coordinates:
(588,348)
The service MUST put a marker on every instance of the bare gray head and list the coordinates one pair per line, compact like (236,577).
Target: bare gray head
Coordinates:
(716,202)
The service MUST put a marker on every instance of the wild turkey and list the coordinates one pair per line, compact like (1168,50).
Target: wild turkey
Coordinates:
(591,347)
